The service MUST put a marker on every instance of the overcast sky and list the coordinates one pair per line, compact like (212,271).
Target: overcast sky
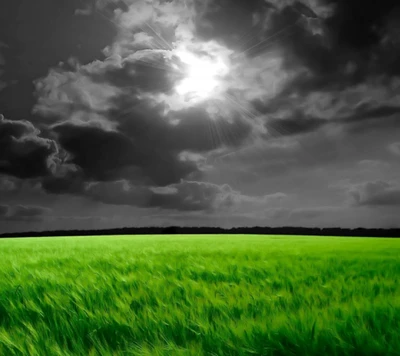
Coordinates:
(199,112)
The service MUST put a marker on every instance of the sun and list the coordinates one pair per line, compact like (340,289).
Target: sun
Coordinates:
(202,76)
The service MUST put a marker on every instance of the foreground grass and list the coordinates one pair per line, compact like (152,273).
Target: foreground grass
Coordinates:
(199,295)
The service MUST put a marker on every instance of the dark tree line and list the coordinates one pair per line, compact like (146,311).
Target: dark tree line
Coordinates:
(358,232)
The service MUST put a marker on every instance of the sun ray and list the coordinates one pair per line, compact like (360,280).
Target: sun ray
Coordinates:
(268,38)
(199,79)
(159,36)
(211,133)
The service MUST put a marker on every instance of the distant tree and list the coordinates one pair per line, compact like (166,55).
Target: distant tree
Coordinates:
(170,230)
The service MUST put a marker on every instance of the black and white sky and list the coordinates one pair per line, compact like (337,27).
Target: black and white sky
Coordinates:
(226,113)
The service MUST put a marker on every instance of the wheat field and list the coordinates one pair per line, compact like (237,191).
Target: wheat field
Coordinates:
(199,295)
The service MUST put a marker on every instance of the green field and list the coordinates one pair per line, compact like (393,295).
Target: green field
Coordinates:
(199,295)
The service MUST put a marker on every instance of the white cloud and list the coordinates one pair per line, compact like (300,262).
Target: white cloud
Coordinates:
(61,93)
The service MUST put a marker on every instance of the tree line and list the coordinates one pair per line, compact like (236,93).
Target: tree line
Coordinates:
(257,230)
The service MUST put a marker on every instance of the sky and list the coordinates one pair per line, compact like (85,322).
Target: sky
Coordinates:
(119,113)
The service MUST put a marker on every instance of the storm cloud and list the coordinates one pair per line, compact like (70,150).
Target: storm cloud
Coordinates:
(125,105)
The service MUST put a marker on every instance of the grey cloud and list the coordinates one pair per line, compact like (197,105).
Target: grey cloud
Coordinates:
(118,192)
(192,196)
(313,213)
(391,122)
(3,210)
(278,155)
(30,211)
(86,11)
(182,196)
(378,193)
(395,148)
(358,108)
(148,71)
(111,5)
(23,213)
(3,84)
(374,165)
(302,9)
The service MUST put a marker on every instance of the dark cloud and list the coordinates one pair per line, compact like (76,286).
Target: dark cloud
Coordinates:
(71,183)
(300,32)
(3,84)
(377,193)
(132,153)
(7,184)
(3,210)
(345,51)
(364,113)
(297,123)
(24,153)
(198,132)
(97,152)
(380,118)
(355,31)
(229,21)
(108,156)
(388,55)
(16,129)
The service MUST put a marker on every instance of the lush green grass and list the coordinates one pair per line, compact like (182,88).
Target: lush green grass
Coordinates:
(199,295)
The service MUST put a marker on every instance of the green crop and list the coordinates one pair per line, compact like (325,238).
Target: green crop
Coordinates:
(199,295)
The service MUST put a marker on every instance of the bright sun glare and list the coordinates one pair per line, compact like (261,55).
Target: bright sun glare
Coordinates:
(202,75)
